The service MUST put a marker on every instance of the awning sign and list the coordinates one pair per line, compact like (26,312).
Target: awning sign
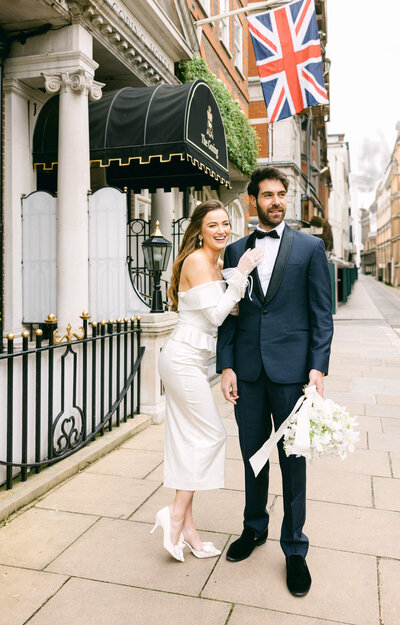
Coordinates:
(204,128)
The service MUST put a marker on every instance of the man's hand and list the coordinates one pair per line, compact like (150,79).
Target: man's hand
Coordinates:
(317,379)
(229,385)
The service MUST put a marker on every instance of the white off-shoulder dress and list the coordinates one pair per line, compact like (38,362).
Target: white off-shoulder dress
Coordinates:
(195,436)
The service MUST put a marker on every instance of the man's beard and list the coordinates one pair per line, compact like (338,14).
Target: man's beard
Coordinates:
(263,218)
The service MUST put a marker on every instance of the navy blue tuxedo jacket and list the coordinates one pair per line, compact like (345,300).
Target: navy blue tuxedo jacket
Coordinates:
(289,331)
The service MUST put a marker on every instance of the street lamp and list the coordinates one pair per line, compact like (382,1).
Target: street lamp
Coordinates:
(156,251)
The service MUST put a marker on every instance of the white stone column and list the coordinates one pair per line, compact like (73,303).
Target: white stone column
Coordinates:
(73,184)
(156,328)
(162,210)
(19,179)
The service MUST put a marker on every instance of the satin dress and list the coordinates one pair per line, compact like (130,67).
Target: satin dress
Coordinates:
(195,437)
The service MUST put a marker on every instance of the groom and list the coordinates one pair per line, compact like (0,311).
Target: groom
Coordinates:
(279,342)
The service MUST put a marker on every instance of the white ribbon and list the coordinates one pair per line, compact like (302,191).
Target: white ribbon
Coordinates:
(301,445)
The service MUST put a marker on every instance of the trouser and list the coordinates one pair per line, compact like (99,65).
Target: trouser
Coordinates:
(257,402)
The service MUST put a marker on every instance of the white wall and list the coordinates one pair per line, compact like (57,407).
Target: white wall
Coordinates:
(20,178)
(339,198)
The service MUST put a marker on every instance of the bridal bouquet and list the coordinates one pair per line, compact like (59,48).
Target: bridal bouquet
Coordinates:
(320,427)
(315,427)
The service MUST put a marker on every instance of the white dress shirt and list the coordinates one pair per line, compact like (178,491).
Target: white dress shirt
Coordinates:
(270,247)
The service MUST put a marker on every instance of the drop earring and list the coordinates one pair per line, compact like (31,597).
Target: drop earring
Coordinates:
(200,240)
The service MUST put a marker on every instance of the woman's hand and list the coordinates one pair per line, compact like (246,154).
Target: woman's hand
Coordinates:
(250,260)
(235,310)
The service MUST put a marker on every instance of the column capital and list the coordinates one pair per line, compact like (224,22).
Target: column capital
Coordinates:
(78,81)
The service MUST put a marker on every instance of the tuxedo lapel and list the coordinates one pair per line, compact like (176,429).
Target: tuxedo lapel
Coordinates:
(257,288)
(280,263)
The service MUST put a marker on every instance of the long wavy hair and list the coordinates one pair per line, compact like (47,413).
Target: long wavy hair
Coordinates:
(190,243)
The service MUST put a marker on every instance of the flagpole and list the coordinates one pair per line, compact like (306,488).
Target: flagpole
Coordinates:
(256,6)
(310,140)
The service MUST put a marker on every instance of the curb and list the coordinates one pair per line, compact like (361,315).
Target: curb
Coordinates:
(39,484)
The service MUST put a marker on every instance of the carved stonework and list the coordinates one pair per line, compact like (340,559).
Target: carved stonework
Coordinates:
(95,92)
(52,83)
(129,45)
(78,81)
(77,7)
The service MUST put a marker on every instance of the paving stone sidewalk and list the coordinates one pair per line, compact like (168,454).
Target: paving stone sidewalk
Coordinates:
(82,553)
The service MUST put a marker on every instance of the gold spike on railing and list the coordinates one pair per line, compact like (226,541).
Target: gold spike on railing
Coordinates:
(51,319)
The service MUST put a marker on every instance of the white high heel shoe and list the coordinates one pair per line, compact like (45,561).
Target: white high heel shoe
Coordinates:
(163,519)
(208,551)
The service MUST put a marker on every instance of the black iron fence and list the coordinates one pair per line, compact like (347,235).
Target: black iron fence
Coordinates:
(59,396)
(141,279)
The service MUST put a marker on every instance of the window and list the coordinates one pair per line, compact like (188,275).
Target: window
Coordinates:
(202,196)
(224,24)
(238,44)
(142,206)
(205,4)
(236,217)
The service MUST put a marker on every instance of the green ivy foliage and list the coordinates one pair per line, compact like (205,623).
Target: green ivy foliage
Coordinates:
(241,138)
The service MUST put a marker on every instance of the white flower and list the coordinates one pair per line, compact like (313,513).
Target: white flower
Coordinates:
(331,431)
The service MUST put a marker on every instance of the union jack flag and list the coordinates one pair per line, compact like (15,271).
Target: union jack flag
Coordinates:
(288,54)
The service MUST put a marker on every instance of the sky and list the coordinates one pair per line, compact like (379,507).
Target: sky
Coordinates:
(364,49)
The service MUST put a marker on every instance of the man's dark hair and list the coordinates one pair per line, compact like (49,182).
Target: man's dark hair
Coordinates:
(270,173)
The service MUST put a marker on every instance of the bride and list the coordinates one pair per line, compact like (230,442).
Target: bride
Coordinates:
(194,433)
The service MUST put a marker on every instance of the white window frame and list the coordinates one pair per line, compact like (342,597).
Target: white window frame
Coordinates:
(238,44)
(224,24)
(142,206)
(205,5)
(237,220)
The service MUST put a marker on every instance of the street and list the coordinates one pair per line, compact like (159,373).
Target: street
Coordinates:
(82,554)
(387,301)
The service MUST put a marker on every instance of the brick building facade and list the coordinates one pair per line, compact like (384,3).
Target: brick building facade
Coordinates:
(387,202)
(224,45)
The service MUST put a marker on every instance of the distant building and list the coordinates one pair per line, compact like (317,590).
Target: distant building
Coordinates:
(368,240)
(384,256)
(395,209)
(384,215)
(339,198)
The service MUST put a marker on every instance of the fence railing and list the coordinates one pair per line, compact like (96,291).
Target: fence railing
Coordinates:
(59,396)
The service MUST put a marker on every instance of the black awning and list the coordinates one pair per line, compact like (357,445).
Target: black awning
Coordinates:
(147,138)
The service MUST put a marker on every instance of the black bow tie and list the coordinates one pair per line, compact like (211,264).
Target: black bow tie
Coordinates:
(260,234)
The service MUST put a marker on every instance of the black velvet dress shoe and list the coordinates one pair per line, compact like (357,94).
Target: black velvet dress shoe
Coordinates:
(298,576)
(241,548)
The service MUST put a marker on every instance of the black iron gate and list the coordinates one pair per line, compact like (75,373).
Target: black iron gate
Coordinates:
(178,230)
(138,231)
(142,282)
